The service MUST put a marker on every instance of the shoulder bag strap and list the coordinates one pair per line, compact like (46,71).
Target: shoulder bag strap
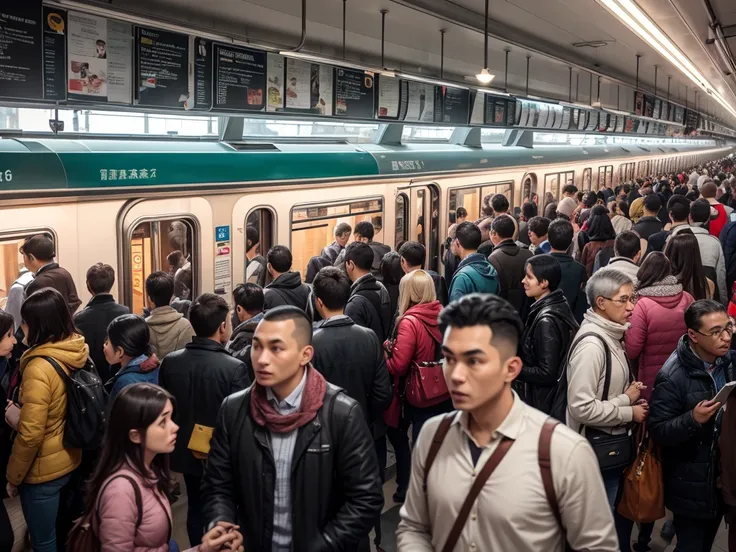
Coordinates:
(607,378)
(55,365)
(439,437)
(166,513)
(493,462)
(136,491)
(545,467)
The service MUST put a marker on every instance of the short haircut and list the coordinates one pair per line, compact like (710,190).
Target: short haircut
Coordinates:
(679,208)
(590,199)
(342,229)
(461,212)
(302,322)
(503,226)
(207,313)
(570,189)
(47,316)
(627,189)
(652,203)
(160,288)
(545,267)
(479,309)
(332,287)
(539,225)
(627,244)
(560,234)
(252,236)
(414,253)
(100,278)
(708,189)
(468,235)
(500,203)
(697,310)
(40,246)
(529,210)
(365,230)
(359,253)
(249,297)
(279,257)
(605,283)
(700,211)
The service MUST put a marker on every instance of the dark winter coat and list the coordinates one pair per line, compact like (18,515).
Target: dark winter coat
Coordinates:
(547,337)
(689,450)
(287,289)
(509,260)
(336,493)
(572,284)
(370,306)
(92,322)
(314,265)
(53,276)
(647,226)
(242,336)
(199,376)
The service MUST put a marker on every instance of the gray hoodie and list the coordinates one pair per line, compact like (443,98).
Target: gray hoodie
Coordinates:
(170,331)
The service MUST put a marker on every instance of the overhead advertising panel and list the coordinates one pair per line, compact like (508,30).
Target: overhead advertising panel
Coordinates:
(478,113)
(202,74)
(240,79)
(639,103)
(452,105)
(354,94)
(421,103)
(389,97)
(276,72)
(511,109)
(309,87)
(163,68)
(21,30)
(54,54)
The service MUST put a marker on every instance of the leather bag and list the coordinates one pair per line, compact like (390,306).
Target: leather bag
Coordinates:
(425,385)
(642,498)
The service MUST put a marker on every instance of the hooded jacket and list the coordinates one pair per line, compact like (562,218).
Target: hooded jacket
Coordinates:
(417,338)
(547,337)
(621,224)
(142,369)
(509,261)
(53,276)
(170,331)
(370,305)
(474,274)
(657,324)
(38,454)
(586,368)
(623,265)
(255,272)
(711,254)
(572,284)
(689,449)
(647,226)
(287,289)
(242,336)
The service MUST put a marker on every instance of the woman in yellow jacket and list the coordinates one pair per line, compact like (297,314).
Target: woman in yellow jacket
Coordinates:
(40,465)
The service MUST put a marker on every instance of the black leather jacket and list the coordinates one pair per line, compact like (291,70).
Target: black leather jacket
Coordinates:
(690,455)
(547,337)
(336,492)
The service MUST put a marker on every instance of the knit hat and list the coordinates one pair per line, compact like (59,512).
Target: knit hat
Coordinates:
(566,206)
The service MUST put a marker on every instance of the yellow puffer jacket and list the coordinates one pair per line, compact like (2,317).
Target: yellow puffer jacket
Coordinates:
(38,453)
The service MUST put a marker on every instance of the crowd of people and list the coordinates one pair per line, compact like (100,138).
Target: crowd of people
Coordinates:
(571,341)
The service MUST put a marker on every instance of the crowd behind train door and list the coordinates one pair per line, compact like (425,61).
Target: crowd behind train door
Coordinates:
(591,345)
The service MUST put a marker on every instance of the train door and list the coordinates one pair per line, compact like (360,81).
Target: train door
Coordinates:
(421,220)
(170,235)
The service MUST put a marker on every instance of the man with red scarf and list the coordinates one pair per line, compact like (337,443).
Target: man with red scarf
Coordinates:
(292,460)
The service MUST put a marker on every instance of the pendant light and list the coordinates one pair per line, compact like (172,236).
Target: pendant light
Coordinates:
(485,77)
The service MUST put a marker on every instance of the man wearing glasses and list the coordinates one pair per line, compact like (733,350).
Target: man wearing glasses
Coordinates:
(685,420)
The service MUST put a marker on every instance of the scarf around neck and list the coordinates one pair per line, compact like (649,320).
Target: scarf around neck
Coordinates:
(664,288)
(266,415)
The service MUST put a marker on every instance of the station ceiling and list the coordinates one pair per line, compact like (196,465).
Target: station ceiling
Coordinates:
(554,34)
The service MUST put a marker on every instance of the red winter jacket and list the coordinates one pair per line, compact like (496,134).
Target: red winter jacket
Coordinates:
(657,324)
(413,342)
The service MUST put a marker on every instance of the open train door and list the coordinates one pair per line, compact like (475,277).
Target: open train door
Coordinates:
(418,207)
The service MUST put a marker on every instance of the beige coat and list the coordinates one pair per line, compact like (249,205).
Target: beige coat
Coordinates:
(170,331)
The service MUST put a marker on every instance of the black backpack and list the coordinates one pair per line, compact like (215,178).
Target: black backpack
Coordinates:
(86,405)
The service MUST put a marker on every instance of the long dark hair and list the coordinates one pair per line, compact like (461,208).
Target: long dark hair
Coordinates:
(6,323)
(655,268)
(599,225)
(135,407)
(47,316)
(684,254)
(131,333)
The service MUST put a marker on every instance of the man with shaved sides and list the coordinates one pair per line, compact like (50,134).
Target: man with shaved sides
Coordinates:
(496,439)
(292,461)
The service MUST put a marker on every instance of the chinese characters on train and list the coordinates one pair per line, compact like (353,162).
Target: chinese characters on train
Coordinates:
(127,174)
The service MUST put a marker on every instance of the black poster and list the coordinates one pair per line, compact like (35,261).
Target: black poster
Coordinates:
(455,105)
(163,68)
(54,54)
(21,74)
(510,112)
(490,114)
(354,94)
(240,79)
(202,73)
(649,106)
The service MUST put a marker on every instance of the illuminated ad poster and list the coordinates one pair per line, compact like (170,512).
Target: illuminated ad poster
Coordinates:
(99,58)
(421,103)
(163,68)
(240,79)
(389,97)
(354,93)
(54,53)
(309,87)
(275,71)
(21,75)
(202,49)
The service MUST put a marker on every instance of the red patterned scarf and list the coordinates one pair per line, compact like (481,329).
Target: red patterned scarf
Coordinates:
(266,415)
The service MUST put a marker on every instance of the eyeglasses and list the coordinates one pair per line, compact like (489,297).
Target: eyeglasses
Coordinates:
(715,334)
(623,300)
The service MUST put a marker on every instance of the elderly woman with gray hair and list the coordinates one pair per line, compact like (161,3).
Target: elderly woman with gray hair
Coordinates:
(602,396)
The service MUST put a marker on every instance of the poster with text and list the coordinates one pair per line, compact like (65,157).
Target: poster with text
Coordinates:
(163,68)
(203,78)
(99,59)
(421,102)
(275,75)
(389,97)
(240,79)
(455,105)
(21,75)
(309,87)
(354,93)
(54,54)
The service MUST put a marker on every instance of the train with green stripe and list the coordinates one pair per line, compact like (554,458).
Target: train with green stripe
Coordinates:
(131,203)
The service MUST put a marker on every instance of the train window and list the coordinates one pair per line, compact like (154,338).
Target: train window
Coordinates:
(553,184)
(263,220)
(312,225)
(468,198)
(587,181)
(402,218)
(167,245)
(605,177)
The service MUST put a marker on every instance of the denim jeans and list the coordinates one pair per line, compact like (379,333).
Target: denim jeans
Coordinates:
(40,503)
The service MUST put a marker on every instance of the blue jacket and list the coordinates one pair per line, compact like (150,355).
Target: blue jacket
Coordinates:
(143,369)
(474,275)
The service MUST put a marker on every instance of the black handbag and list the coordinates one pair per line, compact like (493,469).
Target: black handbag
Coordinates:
(614,452)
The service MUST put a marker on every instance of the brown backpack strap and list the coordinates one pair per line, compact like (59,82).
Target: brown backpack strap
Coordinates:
(493,462)
(439,437)
(545,466)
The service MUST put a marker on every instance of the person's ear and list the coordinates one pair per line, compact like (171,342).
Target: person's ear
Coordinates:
(600,302)
(511,369)
(307,355)
(135,436)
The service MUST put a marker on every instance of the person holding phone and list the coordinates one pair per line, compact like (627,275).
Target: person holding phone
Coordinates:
(684,420)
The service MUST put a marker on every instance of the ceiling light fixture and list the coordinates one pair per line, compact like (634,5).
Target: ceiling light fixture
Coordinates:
(485,77)
(639,22)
